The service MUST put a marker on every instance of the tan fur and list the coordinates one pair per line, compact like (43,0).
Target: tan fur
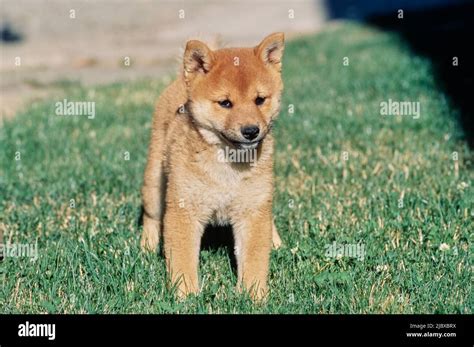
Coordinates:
(186,187)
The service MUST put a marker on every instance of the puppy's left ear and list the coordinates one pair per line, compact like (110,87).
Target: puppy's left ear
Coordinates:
(270,50)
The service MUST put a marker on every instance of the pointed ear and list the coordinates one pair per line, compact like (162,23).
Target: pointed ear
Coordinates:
(270,50)
(197,58)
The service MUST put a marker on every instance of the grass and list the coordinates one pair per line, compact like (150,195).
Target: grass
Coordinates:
(89,258)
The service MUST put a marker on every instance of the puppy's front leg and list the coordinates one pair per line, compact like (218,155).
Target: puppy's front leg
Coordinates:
(253,239)
(182,239)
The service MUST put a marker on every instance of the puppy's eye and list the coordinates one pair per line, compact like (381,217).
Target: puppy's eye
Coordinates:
(225,103)
(259,101)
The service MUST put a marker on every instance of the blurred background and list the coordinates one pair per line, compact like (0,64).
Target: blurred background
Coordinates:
(91,47)
(46,45)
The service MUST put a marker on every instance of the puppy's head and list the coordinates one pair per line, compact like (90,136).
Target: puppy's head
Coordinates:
(234,93)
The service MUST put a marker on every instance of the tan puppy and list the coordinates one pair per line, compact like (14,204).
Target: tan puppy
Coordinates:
(210,160)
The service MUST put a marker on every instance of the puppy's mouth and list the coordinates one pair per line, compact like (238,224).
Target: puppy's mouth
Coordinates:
(246,145)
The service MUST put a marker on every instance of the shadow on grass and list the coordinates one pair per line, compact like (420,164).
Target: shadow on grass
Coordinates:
(220,237)
(438,30)
(441,34)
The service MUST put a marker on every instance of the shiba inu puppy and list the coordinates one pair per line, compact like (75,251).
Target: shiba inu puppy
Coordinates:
(224,100)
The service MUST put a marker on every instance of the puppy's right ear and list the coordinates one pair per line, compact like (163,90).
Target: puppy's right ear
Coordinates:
(198,59)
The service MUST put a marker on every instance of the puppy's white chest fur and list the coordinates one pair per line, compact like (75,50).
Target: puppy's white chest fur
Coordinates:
(226,185)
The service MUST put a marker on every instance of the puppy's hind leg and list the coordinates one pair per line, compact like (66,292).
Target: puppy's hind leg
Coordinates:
(151,221)
(152,195)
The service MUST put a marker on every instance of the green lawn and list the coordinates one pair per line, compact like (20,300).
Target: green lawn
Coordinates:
(89,257)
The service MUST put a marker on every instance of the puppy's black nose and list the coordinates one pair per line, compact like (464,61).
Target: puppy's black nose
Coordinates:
(250,131)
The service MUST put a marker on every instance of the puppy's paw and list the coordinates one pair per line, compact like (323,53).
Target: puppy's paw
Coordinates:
(183,289)
(276,240)
(150,235)
(258,294)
